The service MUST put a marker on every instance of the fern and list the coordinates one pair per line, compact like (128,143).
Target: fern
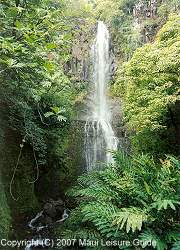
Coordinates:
(124,162)
(176,246)
(164,204)
(172,236)
(150,236)
(133,198)
(101,216)
(96,190)
(132,218)
(100,192)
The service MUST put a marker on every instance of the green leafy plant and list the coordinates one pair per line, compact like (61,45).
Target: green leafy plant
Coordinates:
(5,215)
(37,92)
(149,86)
(134,198)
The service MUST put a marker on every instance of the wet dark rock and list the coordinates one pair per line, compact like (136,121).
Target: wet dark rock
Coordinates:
(50,210)
(53,209)
(59,206)
(48,220)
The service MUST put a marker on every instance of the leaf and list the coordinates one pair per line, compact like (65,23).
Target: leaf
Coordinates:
(147,187)
(49,66)
(176,246)
(132,217)
(19,65)
(150,236)
(172,235)
(18,24)
(55,109)
(10,62)
(172,205)
(163,204)
(48,114)
(51,46)
(61,118)
(58,110)
(19,9)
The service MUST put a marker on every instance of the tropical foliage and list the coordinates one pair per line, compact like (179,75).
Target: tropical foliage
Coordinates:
(35,44)
(135,198)
(149,84)
(37,93)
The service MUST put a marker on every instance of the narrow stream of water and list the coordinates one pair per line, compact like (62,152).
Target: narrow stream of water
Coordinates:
(39,241)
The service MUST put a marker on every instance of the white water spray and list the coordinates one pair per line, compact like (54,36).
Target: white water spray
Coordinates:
(31,223)
(42,242)
(100,137)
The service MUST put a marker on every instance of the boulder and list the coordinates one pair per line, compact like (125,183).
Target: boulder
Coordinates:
(50,210)
(53,209)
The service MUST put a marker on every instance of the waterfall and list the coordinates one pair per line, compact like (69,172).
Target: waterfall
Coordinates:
(100,138)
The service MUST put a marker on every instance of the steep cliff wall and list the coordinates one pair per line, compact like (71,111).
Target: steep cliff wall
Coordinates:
(136,23)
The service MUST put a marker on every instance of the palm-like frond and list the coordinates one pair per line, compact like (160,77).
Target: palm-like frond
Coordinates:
(101,216)
(135,195)
(165,204)
(176,246)
(131,218)
(150,236)
(173,235)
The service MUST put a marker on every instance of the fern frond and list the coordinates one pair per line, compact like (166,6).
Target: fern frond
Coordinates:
(123,161)
(87,179)
(101,215)
(164,204)
(150,236)
(172,236)
(75,218)
(124,184)
(97,191)
(176,246)
(108,176)
(132,218)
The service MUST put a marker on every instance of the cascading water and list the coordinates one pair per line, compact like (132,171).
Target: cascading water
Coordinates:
(39,241)
(100,138)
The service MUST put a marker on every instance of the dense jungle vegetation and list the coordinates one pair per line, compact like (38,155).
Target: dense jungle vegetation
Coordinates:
(42,84)
(37,95)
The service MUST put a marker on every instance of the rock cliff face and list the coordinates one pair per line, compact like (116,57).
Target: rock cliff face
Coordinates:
(80,57)
(145,9)
(143,12)
(78,66)
(137,24)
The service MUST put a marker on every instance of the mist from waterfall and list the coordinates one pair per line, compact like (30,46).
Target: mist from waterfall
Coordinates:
(100,138)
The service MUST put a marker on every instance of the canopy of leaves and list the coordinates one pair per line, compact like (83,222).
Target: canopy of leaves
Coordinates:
(149,84)
(35,44)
